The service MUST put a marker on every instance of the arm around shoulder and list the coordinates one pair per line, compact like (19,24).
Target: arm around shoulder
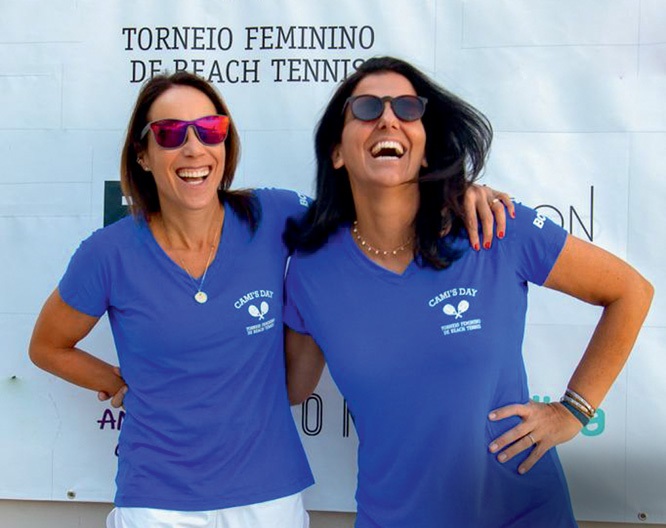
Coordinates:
(58,330)
(305,363)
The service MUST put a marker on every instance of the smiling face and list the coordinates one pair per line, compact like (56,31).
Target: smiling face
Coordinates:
(187,177)
(385,151)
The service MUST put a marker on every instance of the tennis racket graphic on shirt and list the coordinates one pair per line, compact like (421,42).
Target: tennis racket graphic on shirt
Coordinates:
(258,312)
(449,309)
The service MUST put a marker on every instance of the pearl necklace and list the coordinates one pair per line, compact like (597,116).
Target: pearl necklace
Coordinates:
(364,244)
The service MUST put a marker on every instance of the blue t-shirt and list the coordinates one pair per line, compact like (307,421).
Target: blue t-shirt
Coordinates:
(422,358)
(207,423)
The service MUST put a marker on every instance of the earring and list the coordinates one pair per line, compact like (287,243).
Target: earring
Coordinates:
(142,164)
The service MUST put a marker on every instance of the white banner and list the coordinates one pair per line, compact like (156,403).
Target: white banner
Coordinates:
(574,89)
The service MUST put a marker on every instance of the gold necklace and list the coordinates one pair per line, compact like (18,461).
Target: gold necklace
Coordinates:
(200,296)
(364,244)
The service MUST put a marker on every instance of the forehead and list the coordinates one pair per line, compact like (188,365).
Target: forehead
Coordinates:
(384,83)
(181,102)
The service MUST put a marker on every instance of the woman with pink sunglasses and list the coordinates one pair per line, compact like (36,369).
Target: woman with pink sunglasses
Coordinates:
(192,284)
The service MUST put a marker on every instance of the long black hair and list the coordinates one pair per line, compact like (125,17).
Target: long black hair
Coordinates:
(458,139)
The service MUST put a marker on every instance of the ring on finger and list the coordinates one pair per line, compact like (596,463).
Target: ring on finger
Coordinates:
(494,201)
(528,435)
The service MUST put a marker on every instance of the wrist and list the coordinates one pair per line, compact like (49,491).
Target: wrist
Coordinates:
(583,419)
(578,406)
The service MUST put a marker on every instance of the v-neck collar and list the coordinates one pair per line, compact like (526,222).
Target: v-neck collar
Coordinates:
(365,262)
(223,255)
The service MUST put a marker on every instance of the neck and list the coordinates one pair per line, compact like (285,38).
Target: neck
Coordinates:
(195,230)
(385,221)
(386,218)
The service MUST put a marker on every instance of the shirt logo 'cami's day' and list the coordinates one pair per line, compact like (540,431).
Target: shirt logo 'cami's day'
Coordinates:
(462,307)
(456,309)
(260,312)
(257,309)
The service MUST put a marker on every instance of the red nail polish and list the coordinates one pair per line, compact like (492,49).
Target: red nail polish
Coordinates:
(513,214)
(500,234)
(486,245)
(476,247)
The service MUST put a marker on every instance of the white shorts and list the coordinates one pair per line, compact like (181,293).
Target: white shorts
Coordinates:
(286,512)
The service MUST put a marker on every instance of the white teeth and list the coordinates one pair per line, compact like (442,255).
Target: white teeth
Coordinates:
(387,149)
(193,173)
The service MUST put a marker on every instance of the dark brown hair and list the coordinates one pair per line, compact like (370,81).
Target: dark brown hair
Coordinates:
(138,185)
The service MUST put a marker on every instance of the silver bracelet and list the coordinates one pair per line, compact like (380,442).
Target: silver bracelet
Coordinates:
(573,394)
(576,404)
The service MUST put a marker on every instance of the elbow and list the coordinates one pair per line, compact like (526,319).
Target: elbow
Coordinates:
(34,353)
(647,291)
(298,395)
(300,388)
(638,295)
(38,357)
(297,399)
(40,352)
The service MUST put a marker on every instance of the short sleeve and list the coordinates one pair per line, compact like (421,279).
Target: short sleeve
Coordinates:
(84,284)
(288,204)
(534,243)
(292,315)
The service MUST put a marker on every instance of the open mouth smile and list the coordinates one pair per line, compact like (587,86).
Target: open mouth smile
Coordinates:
(387,150)
(193,176)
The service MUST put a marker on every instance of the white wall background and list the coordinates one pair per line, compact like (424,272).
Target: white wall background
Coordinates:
(575,91)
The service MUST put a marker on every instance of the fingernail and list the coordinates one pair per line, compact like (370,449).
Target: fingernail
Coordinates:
(521,470)
(486,245)
(493,448)
(513,214)
(476,247)
(501,457)
(500,234)
(492,416)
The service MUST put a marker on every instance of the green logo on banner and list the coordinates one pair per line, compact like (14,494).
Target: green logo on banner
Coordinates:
(114,208)
(594,427)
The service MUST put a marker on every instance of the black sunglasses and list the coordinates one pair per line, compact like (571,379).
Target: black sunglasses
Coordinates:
(371,107)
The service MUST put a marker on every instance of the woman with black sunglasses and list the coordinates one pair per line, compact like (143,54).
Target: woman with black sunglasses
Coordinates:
(192,283)
(423,336)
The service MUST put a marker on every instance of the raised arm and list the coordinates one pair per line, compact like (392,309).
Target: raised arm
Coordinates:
(595,276)
(57,331)
(305,363)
